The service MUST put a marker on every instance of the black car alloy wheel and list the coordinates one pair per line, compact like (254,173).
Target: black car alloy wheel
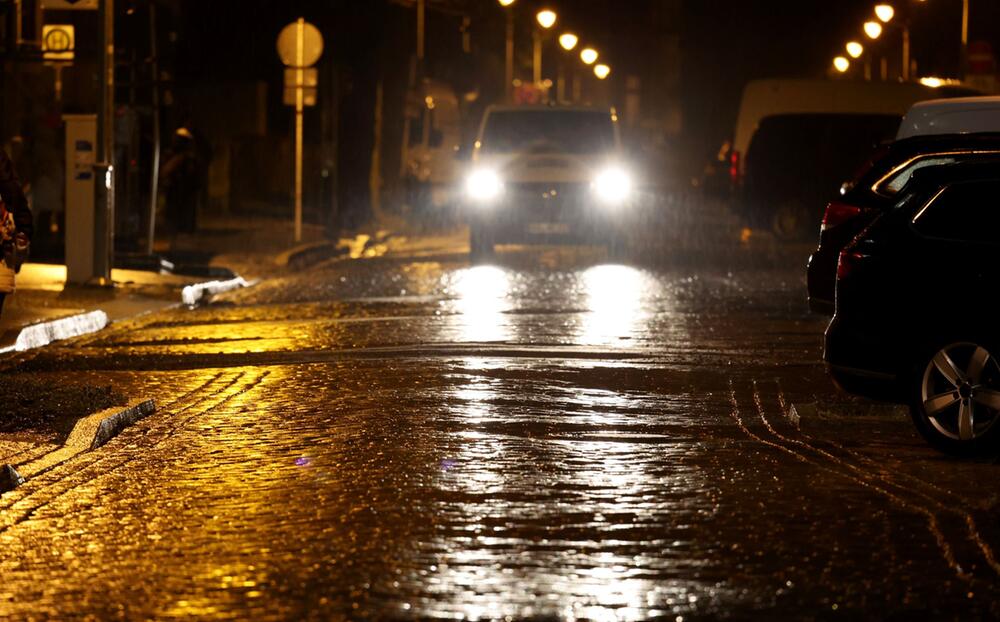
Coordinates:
(958,399)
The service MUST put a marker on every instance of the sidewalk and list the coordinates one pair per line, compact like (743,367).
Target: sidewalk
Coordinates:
(44,309)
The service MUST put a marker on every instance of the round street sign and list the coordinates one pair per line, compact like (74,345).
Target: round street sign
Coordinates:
(300,44)
(58,40)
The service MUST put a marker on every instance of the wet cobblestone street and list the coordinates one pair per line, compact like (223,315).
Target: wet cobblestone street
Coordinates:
(551,436)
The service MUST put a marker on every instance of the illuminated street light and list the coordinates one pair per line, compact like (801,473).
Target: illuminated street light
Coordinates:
(506,3)
(855,49)
(568,41)
(873,30)
(885,12)
(841,64)
(589,56)
(602,71)
(546,18)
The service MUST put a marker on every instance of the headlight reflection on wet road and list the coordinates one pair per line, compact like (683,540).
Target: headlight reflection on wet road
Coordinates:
(481,297)
(616,300)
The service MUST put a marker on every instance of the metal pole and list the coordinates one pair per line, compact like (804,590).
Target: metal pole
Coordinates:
(906,53)
(537,61)
(509,73)
(104,248)
(421,28)
(965,38)
(154,187)
(299,108)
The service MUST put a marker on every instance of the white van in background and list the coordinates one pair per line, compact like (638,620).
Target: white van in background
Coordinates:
(796,141)
(962,115)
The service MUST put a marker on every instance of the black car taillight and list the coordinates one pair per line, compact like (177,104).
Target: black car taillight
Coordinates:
(734,167)
(850,259)
(837,214)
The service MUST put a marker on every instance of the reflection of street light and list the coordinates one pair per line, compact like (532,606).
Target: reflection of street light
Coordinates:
(602,71)
(885,12)
(568,41)
(873,30)
(509,68)
(855,49)
(546,19)
(841,64)
(589,56)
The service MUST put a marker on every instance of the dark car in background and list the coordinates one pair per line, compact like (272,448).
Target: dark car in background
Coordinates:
(876,188)
(796,141)
(916,307)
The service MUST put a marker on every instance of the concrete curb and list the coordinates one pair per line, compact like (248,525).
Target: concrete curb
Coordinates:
(192,294)
(88,434)
(112,425)
(307,255)
(44,333)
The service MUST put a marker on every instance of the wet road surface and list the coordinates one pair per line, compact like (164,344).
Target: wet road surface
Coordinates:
(552,436)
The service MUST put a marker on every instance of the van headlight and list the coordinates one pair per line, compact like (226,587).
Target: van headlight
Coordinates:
(483,185)
(613,185)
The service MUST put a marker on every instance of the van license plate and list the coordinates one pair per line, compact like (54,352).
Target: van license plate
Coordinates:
(548,228)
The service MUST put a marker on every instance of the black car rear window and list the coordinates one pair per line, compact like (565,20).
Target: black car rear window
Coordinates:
(967,212)
(565,131)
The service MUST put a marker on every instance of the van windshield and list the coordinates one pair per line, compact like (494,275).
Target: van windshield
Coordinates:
(542,131)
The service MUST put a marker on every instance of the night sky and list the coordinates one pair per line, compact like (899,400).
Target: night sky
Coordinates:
(724,43)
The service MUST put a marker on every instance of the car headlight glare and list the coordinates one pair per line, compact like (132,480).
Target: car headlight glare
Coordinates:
(613,185)
(483,185)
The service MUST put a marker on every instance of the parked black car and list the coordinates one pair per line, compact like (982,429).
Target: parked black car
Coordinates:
(916,307)
(875,189)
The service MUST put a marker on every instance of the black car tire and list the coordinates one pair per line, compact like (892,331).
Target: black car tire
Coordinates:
(790,221)
(927,382)
(481,242)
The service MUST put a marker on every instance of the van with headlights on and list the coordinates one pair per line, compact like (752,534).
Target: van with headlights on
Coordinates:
(547,175)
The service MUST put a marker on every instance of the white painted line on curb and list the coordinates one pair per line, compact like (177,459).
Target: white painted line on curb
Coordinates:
(38,335)
(191,294)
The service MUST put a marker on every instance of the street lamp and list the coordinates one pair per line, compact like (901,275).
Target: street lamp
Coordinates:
(568,41)
(589,56)
(509,49)
(854,49)
(841,64)
(885,12)
(873,30)
(602,71)
(546,18)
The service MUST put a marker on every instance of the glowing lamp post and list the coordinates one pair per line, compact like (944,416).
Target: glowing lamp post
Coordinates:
(589,56)
(873,30)
(602,72)
(546,19)
(855,49)
(509,67)
(841,64)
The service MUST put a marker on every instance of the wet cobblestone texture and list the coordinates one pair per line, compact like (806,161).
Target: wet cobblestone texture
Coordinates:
(548,437)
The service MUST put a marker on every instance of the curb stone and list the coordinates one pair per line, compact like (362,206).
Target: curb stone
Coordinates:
(44,333)
(88,434)
(191,294)
(9,478)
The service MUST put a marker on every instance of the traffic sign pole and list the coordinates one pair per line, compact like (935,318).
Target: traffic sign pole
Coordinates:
(299,107)
(300,45)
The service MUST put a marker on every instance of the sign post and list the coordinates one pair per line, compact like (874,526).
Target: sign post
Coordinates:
(300,45)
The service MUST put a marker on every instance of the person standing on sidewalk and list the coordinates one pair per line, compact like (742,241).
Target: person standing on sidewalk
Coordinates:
(16,226)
